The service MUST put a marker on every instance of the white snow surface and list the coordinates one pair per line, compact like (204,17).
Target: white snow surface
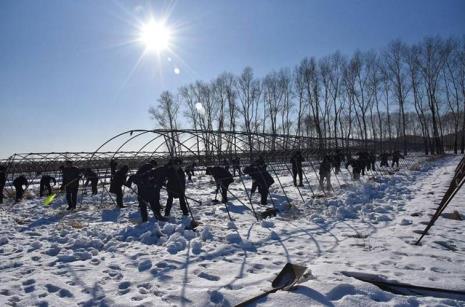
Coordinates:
(100,256)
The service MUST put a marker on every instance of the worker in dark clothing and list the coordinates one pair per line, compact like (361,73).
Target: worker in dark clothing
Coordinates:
(395,158)
(226,164)
(190,171)
(363,161)
(236,164)
(176,186)
(261,178)
(113,165)
(45,181)
(149,181)
(116,184)
(336,160)
(357,166)
(325,173)
(372,160)
(18,183)
(296,161)
(92,178)
(71,176)
(260,164)
(2,182)
(383,158)
(223,179)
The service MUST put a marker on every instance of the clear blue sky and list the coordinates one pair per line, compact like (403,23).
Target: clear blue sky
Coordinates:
(68,73)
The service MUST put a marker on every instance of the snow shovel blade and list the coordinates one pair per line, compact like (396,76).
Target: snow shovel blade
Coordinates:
(286,279)
(289,276)
(49,199)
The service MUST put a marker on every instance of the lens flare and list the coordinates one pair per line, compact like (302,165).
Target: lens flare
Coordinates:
(155,35)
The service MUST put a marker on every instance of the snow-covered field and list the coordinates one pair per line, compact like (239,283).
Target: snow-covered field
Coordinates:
(99,256)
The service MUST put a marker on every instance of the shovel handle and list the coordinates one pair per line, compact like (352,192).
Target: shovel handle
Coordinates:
(243,304)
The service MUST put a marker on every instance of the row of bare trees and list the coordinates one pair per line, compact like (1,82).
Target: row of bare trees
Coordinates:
(397,95)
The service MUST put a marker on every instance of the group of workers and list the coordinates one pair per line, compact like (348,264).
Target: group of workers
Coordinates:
(151,178)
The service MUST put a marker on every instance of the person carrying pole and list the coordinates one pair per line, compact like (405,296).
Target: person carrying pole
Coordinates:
(18,183)
(116,184)
(223,179)
(45,181)
(296,161)
(92,178)
(2,182)
(71,176)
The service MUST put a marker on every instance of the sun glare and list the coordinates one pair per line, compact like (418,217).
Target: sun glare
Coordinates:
(156,36)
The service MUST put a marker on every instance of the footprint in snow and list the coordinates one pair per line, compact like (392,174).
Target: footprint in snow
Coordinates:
(29,285)
(439,270)
(124,287)
(52,288)
(65,293)
(208,276)
(414,267)
(216,297)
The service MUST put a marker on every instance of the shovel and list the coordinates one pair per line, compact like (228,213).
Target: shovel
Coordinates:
(290,275)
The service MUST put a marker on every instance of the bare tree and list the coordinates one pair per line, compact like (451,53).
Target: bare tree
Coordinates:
(432,56)
(451,75)
(394,58)
(416,85)
(248,90)
(166,115)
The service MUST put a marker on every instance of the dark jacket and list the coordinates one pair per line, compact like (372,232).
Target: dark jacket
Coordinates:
(236,162)
(20,181)
(148,179)
(46,179)
(221,175)
(176,184)
(118,180)
(396,156)
(2,179)
(90,175)
(357,165)
(297,160)
(259,175)
(384,157)
(71,176)
(325,166)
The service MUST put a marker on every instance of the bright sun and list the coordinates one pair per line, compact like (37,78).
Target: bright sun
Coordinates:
(156,36)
